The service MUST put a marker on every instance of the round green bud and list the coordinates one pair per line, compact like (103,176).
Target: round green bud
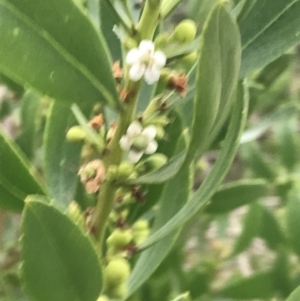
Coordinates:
(155,161)
(160,132)
(112,173)
(119,239)
(129,43)
(140,236)
(125,169)
(119,292)
(140,225)
(185,31)
(76,134)
(140,143)
(102,298)
(189,59)
(116,272)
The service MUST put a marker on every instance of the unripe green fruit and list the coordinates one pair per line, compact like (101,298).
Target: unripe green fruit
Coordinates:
(76,134)
(141,225)
(140,236)
(125,169)
(119,239)
(119,292)
(189,59)
(102,298)
(155,161)
(116,272)
(185,31)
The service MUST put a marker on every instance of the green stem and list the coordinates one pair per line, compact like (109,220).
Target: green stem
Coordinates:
(114,153)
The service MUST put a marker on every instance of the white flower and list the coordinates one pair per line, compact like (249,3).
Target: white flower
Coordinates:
(144,61)
(139,141)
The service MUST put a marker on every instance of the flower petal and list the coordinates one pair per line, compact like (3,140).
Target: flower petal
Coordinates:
(125,142)
(134,156)
(149,132)
(159,58)
(152,75)
(137,71)
(134,129)
(146,46)
(133,56)
(151,148)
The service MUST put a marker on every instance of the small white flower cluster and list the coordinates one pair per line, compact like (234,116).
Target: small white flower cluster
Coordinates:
(144,61)
(138,141)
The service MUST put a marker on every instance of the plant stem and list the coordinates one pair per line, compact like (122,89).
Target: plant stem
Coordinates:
(114,153)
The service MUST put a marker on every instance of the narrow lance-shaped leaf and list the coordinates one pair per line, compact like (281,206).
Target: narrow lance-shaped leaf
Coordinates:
(211,183)
(236,194)
(295,295)
(270,29)
(61,156)
(59,262)
(217,74)
(17,178)
(59,51)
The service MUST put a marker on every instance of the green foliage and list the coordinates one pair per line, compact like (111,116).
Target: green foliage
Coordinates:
(51,243)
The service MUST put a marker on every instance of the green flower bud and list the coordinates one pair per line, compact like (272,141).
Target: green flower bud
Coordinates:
(76,134)
(189,59)
(102,298)
(74,212)
(119,292)
(128,198)
(125,169)
(140,143)
(119,239)
(140,236)
(129,43)
(185,31)
(160,132)
(155,161)
(116,272)
(140,225)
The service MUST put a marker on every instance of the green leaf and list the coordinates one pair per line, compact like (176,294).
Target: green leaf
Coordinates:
(295,295)
(59,262)
(58,51)
(251,227)
(174,196)
(217,74)
(271,230)
(213,180)
(257,286)
(233,195)
(270,29)
(29,117)
(292,219)
(17,177)
(61,157)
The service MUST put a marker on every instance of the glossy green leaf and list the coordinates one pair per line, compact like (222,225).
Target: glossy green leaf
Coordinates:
(59,51)
(257,286)
(17,178)
(295,295)
(61,157)
(251,227)
(217,74)
(212,181)
(233,195)
(270,29)
(59,262)
(29,118)
(292,219)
